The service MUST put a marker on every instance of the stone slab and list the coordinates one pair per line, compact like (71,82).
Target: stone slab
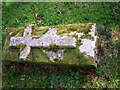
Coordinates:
(71,44)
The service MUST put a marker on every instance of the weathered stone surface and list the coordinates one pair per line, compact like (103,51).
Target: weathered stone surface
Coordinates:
(88,46)
(25,53)
(75,44)
(49,38)
(55,55)
(46,40)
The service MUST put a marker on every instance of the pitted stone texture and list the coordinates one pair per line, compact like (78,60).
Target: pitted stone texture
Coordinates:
(46,40)
(88,46)
(15,41)
(28,31)
(52,38)
(55,55)
(25,53)
(23,40)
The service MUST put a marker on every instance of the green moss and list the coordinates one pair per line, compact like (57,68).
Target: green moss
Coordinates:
(78,43)
(39,56)
(14,55)
(39,31)
(5,53)
(56,59)
(30,57)
(86,31)
(16,31)
(9,53)
(22,47)
(20,33)
(62,31)
(15,47)
(52,47)
(88,36)
(74,57)
(65,34)
(65,30)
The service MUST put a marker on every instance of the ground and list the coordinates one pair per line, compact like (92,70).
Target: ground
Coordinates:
(106,17)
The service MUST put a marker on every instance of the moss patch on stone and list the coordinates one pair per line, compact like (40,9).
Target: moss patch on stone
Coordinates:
(74,57)
(39,31)
(5,52)
(52,47)
(39,56)
(79,28)
(88,36)
(10,53)
(63,30)
(22,47)
(16,31)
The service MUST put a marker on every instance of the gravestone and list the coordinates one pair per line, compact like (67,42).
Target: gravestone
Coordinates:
(71,44)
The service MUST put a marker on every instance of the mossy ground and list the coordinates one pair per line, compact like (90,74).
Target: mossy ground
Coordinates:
(106,17)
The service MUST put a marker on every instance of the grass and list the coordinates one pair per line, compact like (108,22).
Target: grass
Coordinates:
(105,15)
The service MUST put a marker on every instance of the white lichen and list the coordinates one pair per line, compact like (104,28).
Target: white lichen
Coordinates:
(88,46)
